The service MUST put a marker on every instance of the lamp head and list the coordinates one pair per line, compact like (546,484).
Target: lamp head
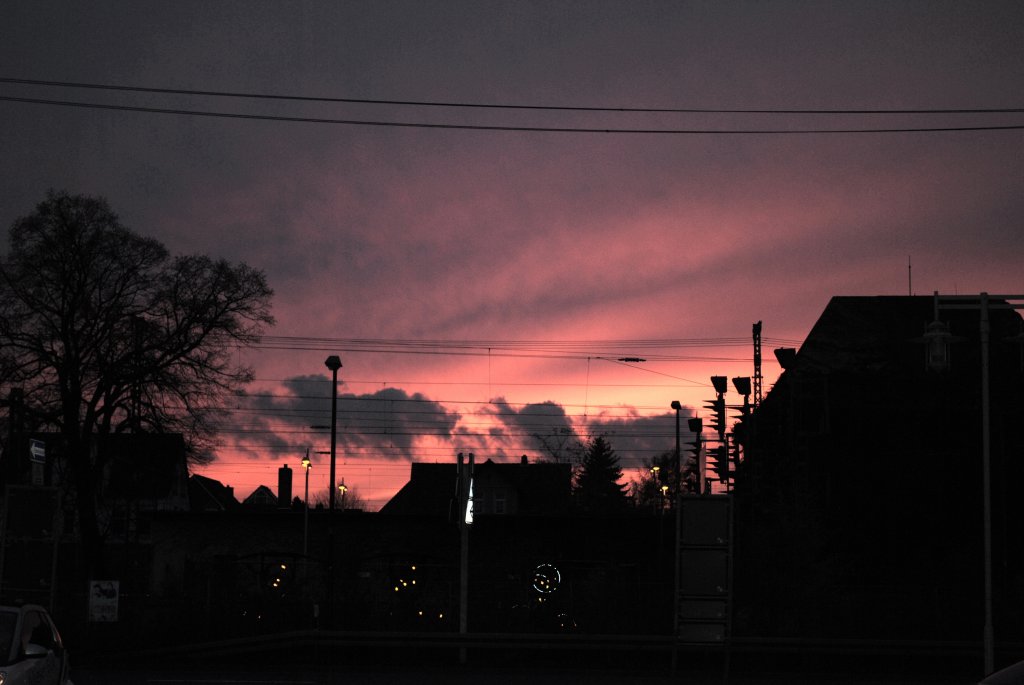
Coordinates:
(676,405)
(333,362)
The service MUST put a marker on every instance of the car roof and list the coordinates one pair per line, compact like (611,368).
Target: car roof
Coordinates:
(23,607)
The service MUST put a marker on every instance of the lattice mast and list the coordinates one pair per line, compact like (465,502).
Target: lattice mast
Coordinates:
(757,364)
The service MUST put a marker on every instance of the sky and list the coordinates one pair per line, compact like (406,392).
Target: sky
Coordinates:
(482,268)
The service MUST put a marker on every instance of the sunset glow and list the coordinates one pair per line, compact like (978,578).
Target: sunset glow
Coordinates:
(481,286)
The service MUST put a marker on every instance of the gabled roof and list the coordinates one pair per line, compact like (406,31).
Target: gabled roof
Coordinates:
(262,496)
(207,494)
(539,488)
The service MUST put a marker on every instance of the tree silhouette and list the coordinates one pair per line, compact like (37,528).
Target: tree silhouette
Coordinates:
(597,488)
(320,499)
(105,332)
(660,481)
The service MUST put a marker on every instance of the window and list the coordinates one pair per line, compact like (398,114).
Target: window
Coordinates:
(36,630)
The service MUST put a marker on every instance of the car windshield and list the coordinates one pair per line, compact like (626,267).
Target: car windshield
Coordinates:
(8,619)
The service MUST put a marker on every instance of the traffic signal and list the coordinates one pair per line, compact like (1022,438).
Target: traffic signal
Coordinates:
(734,454)
(691,463)
(718,459)
(718,418)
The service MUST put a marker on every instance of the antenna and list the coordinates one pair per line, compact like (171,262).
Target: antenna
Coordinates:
(910,280)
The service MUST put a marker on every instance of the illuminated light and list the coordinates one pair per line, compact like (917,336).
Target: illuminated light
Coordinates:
(469,503)
(420,612)
(414,582)
(546,579)
(414,567)
(396,588)
(440,615)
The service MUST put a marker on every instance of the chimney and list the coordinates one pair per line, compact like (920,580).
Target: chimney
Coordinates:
(284,487)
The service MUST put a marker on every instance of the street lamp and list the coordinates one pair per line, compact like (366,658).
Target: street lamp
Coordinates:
(333,363)
(342,488)
(678,407)
(675,552)
(306,465)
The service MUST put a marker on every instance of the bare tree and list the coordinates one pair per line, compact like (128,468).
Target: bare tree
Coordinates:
(349,501)
(106,332)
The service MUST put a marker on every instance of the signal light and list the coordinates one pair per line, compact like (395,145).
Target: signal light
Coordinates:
(719,458)
(718,420)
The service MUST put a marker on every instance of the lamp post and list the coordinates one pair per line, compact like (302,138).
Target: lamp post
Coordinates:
(678,407)
(675,548)
(306,465)
(342,488)
(333,363)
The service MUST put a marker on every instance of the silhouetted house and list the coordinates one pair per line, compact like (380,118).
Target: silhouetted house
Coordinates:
(261,497)
(207,494)
(859,502)
(143,473)
(498,489)
(148,469)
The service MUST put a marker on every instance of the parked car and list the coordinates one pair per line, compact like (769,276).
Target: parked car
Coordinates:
(1011,675)
(31,650)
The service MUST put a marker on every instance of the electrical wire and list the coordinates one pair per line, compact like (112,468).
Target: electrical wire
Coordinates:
(478,105)
(500,127)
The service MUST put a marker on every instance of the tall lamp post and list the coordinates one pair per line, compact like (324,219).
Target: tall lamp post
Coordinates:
(677,466)
(306,465)
(333,363)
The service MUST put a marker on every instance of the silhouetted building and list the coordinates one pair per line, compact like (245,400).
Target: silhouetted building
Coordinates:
(262,497)
(207,494)
(859,501)
(499,489)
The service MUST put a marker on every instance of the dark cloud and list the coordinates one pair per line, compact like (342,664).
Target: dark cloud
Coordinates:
(543,428)
(636,437)
(388,423)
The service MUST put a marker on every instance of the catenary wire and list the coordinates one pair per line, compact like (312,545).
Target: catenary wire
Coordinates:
(502,127)
(479,105)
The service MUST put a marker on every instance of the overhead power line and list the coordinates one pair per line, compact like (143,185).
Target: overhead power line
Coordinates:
(575,348)
(480,105)
(500,127)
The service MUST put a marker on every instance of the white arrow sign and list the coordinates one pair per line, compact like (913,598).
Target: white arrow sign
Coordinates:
(37,451)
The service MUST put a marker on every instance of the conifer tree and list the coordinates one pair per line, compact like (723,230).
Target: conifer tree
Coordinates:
(598,488)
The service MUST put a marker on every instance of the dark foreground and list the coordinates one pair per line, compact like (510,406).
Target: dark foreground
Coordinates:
(456,675)
(326,659)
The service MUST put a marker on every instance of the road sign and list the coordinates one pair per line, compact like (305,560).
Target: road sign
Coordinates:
(37,451)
